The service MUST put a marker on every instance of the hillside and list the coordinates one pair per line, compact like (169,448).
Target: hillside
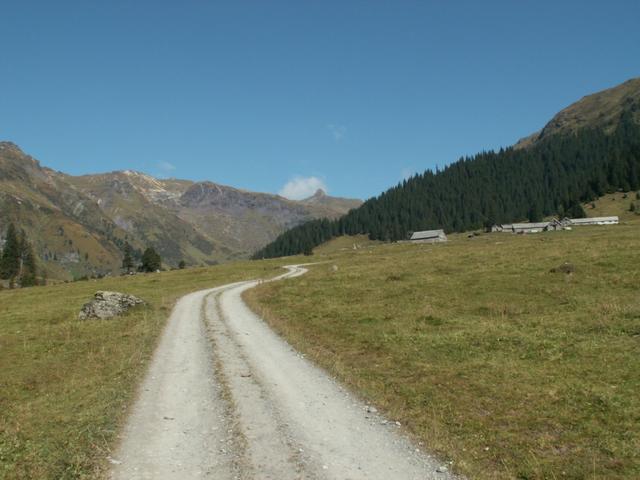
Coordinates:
(70,233)
(78,224)
(66,384)
(481,348)
(589,149)
(601,110)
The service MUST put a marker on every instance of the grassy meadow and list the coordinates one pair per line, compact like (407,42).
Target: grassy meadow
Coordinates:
(65,384)
(498,364)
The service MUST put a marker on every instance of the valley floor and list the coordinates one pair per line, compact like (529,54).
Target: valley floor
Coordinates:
(252,407)
(481,348)
(65,384)
(505,364)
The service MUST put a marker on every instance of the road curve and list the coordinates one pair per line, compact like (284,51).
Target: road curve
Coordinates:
(226,398)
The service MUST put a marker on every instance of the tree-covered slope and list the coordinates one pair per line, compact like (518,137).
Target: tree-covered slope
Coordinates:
(550,177)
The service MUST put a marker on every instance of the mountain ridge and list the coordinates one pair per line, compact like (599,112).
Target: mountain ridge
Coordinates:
(586,150)
(597,110)
(79,224)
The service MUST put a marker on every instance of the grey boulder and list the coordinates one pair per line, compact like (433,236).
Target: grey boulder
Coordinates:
(108,305)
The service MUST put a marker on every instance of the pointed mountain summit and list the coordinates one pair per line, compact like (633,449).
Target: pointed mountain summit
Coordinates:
(320,199)
(79,224)
(319,194)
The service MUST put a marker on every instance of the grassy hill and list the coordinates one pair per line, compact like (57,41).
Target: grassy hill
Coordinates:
(615,204)
(601,110)
(486,352)
(65,384)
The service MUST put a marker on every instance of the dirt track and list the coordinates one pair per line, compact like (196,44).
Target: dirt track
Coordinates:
(226,398)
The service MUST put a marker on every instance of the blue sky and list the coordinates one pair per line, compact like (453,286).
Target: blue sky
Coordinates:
(255,94)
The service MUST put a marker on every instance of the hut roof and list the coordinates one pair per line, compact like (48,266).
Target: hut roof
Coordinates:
(427,234)
(531,225)
(594,219)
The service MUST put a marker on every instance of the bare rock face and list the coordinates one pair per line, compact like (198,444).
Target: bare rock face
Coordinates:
(108,305)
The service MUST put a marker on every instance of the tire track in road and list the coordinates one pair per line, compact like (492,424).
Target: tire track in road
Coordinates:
(227,398)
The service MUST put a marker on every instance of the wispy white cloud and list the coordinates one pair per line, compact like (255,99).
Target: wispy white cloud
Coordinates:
(166,166)
(339,132)
(302,187)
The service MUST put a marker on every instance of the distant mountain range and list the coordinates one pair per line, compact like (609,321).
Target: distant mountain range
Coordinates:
(587,150)
(79,224)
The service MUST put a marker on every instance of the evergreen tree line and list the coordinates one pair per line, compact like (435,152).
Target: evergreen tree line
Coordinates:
(150,261)
(17,261)
(551,178)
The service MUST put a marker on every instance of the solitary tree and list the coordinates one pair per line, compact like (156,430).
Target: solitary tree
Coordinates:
(151,261)
(576,211)
(10,260)
(534,213)
(127,261)
(182,265)
(28,273)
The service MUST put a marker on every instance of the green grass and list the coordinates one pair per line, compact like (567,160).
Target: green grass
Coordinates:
(496,363)
(65,384)
(614,204)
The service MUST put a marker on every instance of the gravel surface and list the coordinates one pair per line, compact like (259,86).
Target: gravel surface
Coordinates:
(226,398)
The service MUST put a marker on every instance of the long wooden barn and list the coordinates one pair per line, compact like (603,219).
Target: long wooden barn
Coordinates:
(428,236)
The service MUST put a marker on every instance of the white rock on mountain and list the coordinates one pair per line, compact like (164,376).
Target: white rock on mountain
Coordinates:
(108,305)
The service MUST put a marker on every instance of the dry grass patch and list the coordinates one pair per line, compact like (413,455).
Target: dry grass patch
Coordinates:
(492,360)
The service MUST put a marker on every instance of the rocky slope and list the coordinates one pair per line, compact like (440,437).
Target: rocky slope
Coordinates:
(71,234)
(78,225)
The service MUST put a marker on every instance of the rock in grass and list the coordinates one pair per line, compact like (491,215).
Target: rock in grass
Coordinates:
(108,305)
(566,268)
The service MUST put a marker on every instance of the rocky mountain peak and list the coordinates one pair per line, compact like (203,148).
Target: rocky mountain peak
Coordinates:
(5,145)
(319,194)
(93,215)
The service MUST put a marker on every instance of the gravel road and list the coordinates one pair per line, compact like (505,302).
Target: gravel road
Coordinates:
(226,398)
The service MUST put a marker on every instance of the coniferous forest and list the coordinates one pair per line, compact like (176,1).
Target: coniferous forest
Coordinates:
(550,178)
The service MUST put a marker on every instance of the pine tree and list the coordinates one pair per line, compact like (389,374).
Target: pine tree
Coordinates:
(151,260)
(127,261)
(10,260)
(29,270)
(182,265)
(534,214)
(576,211)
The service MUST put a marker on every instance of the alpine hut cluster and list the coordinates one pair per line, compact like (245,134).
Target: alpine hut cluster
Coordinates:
(555,224)
(436,236)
